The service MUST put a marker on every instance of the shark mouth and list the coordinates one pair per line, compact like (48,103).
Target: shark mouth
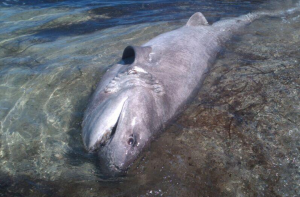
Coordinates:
(103,125)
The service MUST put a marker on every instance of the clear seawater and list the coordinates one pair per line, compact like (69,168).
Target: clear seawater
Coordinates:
(240,136)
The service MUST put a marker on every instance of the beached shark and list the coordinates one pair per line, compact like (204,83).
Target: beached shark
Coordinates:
(140,95)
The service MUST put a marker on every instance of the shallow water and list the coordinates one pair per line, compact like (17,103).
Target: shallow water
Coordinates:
(240,137)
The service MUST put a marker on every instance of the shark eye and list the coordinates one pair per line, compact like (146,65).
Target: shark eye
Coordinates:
(131,140)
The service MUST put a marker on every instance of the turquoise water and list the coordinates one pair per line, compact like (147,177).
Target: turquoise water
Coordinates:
(240,137)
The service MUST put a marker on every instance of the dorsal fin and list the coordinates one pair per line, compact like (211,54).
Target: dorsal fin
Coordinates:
(133,54)
(197,19)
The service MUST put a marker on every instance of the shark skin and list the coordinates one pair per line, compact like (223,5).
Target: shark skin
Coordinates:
(137,97)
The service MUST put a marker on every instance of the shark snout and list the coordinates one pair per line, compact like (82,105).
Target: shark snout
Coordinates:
(109,165)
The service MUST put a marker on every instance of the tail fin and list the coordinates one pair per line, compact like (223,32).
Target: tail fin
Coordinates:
(228,27)
(256,15)
(235,23)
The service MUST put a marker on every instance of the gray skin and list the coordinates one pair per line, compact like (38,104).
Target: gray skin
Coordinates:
(139,96)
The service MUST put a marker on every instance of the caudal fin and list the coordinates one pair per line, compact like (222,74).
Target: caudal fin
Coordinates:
(256,15)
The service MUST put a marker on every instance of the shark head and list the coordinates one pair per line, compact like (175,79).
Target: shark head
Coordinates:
(121,128)
(121,124)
